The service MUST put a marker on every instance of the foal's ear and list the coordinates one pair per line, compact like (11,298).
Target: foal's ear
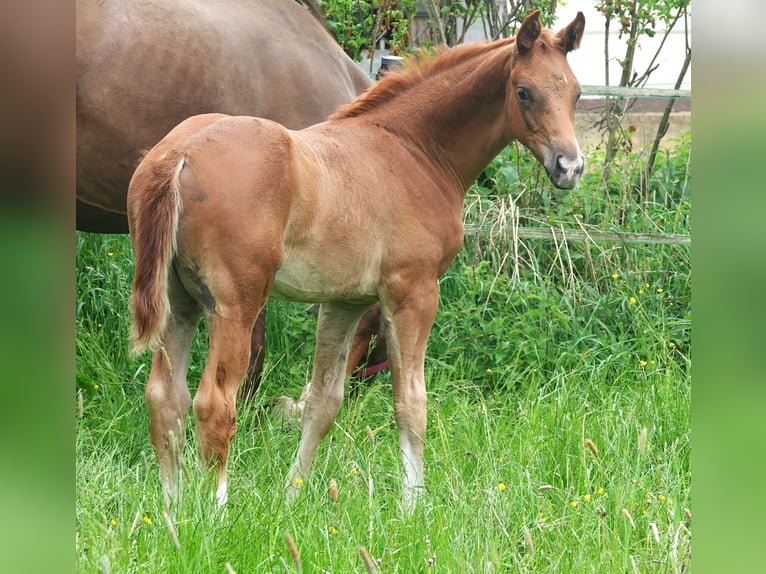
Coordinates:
(528,33)
(569,38)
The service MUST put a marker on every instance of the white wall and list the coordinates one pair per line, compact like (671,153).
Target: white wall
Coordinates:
(588,62)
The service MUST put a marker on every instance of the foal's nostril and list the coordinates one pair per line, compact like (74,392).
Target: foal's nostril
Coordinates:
(575,166)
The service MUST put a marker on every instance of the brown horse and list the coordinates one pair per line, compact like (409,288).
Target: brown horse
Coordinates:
(143,67)
(227,210)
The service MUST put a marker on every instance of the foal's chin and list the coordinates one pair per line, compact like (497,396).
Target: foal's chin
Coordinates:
(563,182)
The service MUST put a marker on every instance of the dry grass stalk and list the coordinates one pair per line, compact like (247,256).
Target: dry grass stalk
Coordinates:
(642,439)
(528,540)
(294,552)
(655,532)
(367,560)
(333,490)
(591,447)
(627,515)
(106,566)
(135,520)
(171,528)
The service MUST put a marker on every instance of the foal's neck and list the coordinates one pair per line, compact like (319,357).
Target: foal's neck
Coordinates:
(458,118)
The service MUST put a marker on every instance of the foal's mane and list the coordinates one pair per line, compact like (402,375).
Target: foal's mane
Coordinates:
(417,67)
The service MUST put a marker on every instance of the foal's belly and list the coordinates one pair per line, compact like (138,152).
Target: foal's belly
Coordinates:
(311,280)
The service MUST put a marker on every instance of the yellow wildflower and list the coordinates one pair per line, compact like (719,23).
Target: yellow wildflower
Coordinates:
(111,254)
(573,504)
(147,520)
(600,490)
(501,486)
(586,498)
(113,522)
(298,480)
(632,300)
(615,275)
(672,345)
(660,290)
(640,291)
(643,363)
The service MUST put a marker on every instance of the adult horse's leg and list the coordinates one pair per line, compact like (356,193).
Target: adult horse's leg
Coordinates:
(409,311)
(167,394)
(257,350)
(365,353)
(368,355)
(335,331)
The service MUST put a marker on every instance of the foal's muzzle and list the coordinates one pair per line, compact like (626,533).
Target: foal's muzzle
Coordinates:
(565,172)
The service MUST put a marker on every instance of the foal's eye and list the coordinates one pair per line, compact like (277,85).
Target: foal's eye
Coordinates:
(524,95)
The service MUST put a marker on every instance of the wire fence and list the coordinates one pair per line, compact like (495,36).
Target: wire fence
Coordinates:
(562,234)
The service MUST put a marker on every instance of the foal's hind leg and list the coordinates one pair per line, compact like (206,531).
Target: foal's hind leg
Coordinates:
(230,325)
(257,351)
(335,331)
(167,395)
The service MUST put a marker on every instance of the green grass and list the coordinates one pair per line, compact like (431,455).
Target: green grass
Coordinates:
(541,381)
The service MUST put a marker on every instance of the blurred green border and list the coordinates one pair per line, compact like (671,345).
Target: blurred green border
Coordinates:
(37,300)
(728,256)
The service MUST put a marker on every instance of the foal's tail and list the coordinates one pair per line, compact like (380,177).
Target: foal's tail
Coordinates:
(154,204)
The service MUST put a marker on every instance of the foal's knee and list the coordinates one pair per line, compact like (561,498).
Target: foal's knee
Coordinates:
(167,400)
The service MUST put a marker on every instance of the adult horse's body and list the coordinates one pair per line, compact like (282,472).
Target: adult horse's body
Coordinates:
(364,207)
(143,67)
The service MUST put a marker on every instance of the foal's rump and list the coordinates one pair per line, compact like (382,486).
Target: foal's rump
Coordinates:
(243,199)
(188,195)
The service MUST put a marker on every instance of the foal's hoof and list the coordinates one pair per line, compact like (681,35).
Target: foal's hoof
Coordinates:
(293,488)
(288,409)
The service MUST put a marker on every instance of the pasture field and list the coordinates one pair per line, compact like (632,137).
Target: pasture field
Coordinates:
(559,410)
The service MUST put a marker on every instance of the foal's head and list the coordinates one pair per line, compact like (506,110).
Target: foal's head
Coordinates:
(541,97)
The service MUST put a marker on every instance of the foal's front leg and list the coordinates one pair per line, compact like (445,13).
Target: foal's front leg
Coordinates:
(335,331)
(409,313)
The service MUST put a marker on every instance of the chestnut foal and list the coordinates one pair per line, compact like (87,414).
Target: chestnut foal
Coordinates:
(226,211)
